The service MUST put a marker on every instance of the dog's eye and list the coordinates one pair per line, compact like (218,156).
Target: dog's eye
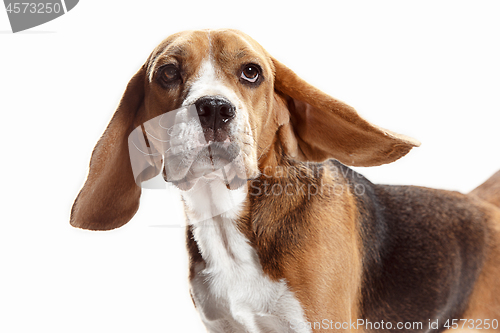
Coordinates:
(250,73)
(169,74)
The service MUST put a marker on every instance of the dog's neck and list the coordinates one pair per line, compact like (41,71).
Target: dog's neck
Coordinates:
(227,275)
(220,218)
(211,201)
(212,211)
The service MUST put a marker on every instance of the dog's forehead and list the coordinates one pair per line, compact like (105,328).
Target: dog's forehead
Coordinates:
(194,46)
(234,41)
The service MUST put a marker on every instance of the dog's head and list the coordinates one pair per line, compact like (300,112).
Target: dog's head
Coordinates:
(245,103)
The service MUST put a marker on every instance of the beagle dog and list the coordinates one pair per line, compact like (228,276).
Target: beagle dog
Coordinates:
(298,242)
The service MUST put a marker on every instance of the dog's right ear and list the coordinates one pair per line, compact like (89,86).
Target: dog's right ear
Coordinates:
(110,197)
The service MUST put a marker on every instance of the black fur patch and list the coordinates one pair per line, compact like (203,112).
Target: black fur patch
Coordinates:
(424,250)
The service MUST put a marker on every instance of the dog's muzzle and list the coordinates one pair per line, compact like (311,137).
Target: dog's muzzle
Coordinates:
(188,144)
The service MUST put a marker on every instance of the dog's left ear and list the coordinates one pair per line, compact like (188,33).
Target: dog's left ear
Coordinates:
(315,126)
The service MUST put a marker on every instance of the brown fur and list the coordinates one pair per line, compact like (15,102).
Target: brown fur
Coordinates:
(485,300)
(283,239)
(389,253)
(490,190)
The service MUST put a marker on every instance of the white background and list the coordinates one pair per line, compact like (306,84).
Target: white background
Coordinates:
(429,69)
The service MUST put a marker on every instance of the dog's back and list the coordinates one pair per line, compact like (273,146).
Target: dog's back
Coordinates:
(489,191)
(418,237)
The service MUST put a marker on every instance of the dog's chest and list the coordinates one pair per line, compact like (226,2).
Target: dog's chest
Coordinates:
(229,287)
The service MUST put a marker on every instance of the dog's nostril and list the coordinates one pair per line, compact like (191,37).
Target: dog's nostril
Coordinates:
(204,110)
(226,111)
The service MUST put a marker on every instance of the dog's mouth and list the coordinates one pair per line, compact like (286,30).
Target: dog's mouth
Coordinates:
(175,142)
(215,161)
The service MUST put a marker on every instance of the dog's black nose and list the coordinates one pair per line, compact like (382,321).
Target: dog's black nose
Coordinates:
(216,107)
(215,113)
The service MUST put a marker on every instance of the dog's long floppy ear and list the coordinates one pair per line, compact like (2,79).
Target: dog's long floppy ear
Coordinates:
(110,197)
(317,127)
